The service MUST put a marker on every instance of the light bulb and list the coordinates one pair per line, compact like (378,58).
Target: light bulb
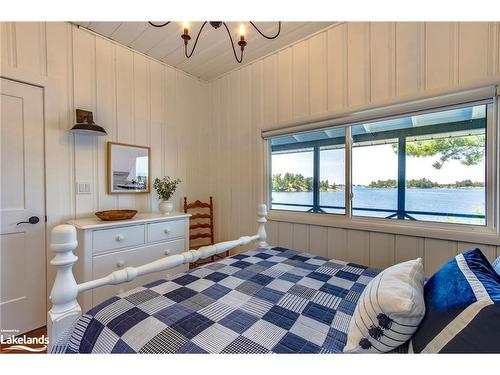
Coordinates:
(242,32)
(185,26)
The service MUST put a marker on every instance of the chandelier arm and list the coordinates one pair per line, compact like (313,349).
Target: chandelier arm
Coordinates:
(188,55)
(267,36)
(159,25)
(239,60)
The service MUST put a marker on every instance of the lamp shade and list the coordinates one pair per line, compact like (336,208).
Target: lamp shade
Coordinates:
(85,124)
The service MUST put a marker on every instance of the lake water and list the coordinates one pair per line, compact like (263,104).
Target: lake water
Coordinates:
(461,201)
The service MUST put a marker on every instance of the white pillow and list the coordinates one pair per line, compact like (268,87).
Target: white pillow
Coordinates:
(389,310)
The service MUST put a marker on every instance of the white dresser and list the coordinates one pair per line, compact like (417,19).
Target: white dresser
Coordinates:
(106,246)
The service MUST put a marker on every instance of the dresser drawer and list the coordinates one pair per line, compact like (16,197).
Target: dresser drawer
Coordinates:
(105,264)
(116,238)
(166,230)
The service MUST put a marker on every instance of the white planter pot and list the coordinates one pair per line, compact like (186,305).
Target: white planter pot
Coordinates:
(166,207)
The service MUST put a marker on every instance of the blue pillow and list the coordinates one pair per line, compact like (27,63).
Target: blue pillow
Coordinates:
(462,303)
(496,265)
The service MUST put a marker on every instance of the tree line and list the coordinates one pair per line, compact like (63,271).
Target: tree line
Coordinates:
(291,182)
(424,183)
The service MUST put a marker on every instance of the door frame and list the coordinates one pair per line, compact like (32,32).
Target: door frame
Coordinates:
(51,113)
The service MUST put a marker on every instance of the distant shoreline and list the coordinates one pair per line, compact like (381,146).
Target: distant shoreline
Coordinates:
(381,188)
(291,182)
(426,188)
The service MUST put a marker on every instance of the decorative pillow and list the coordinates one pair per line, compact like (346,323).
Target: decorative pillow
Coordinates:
(496,265)
(389,310)
(462,301)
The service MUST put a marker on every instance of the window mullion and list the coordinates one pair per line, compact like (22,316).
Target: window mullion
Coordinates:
(348,172)
(401,177)
(316,179)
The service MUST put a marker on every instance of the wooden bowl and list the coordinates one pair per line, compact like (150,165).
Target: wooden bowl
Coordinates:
(111,215)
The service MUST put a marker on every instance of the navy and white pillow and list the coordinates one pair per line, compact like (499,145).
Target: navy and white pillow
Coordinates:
(496,265)
(462,301)
(389,310)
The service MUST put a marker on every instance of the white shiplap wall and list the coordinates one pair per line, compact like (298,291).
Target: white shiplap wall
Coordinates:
(137,99)
(209,134)
(348,67)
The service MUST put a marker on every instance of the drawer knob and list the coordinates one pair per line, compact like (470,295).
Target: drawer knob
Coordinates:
(119,238)
(167,252)
(120,264)
(167,231)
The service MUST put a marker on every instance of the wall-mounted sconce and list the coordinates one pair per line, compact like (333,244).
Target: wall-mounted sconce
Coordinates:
(85,124)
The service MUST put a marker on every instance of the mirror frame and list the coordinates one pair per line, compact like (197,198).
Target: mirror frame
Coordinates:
(108,168)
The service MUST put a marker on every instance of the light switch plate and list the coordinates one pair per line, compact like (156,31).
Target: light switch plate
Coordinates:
(83,188)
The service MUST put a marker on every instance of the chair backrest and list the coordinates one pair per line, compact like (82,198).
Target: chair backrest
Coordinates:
(202,220)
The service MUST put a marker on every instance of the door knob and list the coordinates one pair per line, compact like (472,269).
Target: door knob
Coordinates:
(31,220)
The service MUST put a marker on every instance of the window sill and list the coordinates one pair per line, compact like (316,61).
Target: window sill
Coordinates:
(452,232)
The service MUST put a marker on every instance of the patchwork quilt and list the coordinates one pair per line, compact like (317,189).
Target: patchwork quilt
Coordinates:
(267,300)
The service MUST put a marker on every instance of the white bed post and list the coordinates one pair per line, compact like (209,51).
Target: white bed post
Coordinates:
(262,220)
(65,308)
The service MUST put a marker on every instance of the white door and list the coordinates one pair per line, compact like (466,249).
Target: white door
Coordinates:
(22,190)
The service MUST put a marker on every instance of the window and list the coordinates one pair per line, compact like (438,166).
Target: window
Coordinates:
(332,178)
(308,172)
(292,182)
(374,178)
(428,166)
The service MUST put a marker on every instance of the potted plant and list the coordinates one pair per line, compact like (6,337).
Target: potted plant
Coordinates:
(165,188)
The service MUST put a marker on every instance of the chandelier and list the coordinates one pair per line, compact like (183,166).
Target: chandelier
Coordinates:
(216,24)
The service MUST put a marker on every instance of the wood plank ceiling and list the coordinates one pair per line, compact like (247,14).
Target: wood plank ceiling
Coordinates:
(213,55)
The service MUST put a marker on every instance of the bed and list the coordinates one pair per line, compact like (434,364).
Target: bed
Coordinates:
(267,300)
(277,300)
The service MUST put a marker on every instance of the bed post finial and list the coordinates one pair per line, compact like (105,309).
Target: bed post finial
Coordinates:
(262,220)
(65,308)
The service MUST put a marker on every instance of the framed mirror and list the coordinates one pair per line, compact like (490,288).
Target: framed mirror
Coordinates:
(128,168)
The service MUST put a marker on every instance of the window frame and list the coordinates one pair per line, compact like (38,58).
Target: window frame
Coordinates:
(316,149)
(466,232)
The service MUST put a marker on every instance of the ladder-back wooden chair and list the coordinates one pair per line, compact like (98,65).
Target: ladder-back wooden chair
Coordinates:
(201,227)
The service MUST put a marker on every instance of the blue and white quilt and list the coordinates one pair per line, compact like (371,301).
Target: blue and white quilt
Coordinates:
(267,300)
